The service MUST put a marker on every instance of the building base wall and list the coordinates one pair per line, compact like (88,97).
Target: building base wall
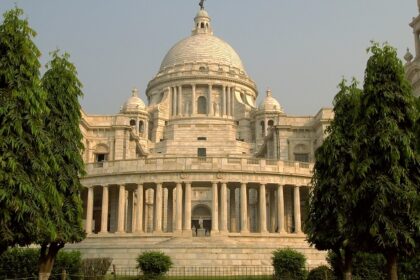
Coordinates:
(197,251)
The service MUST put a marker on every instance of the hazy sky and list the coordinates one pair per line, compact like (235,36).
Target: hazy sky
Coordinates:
(299,48)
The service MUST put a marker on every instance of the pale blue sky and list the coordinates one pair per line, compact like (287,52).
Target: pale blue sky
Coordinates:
(298,48)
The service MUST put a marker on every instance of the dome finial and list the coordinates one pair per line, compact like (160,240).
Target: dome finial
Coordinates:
(201,4)
(269,92)
(134,92)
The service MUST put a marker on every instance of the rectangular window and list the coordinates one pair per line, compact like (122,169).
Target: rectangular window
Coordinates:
(201,152)
(302,157)
(101,157)
(201,138)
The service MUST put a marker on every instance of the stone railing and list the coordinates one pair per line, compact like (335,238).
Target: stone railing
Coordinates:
(186,164)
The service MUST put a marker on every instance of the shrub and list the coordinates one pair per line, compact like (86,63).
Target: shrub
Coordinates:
(96,269)
(19,263)
(23,262)
(154,264)
(409,267)
(322,272)
(70,261)
(289,265)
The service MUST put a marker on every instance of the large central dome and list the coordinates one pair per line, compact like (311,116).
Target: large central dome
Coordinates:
(202,47)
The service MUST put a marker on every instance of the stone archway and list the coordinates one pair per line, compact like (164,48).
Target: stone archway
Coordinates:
(201,220)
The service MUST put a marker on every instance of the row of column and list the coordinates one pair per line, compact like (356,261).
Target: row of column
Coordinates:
(225,108)
(185,215)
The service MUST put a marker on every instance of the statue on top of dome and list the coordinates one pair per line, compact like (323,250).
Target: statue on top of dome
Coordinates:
(202,4)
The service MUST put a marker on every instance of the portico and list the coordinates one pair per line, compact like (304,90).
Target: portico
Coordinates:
(150,208)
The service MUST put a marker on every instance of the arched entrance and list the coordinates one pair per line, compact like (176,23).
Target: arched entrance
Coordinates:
(201,220)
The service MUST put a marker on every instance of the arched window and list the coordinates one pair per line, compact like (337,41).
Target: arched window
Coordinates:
(270,123)
(133,122)
(201,105)
(141,126)
(202,25)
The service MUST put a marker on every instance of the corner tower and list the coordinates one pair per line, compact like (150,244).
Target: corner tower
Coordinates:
(412,65)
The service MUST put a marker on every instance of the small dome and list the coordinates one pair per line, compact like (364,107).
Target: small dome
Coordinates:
(134,103)
(270,103)
(202,13)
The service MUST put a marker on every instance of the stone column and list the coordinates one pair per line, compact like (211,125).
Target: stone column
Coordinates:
(193,101)
(158,208)
(187,216)
(180,101)
(263,210)
(224,101)
(104,209)
(232,101)
(139,216)
(297,210)
(214,210)
(89,210)
(223,207)
(233,220)
(417,43)
(210,104)
(170,209)
(244,209)
(228,101)
(178,225)
(121,208)
(280,209)
(173,89)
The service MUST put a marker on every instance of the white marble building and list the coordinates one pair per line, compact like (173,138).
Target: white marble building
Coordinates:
(202,172)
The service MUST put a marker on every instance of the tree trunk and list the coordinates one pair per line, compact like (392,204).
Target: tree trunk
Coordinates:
(47,258)
(391,266)
(348,261)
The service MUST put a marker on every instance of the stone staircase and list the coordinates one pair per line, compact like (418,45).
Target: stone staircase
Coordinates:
(197,251)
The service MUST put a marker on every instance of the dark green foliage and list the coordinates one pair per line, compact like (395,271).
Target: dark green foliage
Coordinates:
(409,267)
(40,146)
(96,269)
(62,86)
(372,266)
(387,170)
(154,264)
(23,262)
(25,158)
(322,272)
(288,265)
(332,179)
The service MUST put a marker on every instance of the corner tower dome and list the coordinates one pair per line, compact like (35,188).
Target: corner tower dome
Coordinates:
(202,47)
(134,103)
(270,103)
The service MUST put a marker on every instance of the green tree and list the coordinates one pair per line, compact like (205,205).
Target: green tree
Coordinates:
(64,214)
(332,181)
(385,208)
(24,154)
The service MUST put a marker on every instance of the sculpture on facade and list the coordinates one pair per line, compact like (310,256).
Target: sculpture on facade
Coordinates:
(201,4)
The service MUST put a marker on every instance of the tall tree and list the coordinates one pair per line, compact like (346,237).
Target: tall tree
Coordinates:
(386,203)
(62,123)
(332,180)
(24,154)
